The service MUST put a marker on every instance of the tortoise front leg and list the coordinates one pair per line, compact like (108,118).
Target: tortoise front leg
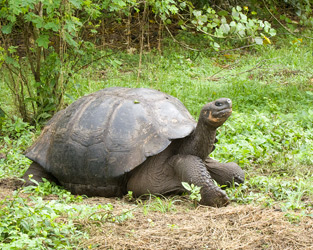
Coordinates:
(191,169)
(225,173)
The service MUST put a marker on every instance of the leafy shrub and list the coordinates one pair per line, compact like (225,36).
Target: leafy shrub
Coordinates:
(52,51)
(237,24)
(15,137)
(37,224)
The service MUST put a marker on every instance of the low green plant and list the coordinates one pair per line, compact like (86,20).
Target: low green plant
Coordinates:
(130,197)
(46,188)
(33,223)
(266,139)
(194,192)
(15,137)
(269,191)
(36,224)
(157,203)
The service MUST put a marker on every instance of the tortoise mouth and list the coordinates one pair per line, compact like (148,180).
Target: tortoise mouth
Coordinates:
(225,113)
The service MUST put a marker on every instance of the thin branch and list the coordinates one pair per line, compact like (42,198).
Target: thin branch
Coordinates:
(11,69)
(142,26)
(239,48)
(92,61)
(29,56)
(13,81)
(128,26)
(27,87)
(160,36)
(239,73)
(289,31)
(175,40)
(212,77)
(39,49)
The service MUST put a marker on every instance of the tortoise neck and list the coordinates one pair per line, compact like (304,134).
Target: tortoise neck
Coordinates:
(201,141)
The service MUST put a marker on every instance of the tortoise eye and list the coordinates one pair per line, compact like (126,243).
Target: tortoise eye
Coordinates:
(218,104)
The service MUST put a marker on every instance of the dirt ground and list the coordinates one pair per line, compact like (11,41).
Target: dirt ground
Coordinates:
(232,227)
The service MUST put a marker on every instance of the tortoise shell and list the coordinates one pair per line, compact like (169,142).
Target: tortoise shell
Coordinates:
(102,136)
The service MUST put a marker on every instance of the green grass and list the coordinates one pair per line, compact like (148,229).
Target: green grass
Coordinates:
(270,134)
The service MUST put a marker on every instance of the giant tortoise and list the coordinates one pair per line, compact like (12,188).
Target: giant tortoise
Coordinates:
(141,140)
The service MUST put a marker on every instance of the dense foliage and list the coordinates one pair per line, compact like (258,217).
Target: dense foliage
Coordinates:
(43,43)
(34,223)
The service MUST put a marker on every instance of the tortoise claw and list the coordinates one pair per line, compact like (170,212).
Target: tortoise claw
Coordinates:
(214,197)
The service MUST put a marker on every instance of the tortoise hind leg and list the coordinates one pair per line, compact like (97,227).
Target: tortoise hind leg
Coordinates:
(225,173)
(37,172)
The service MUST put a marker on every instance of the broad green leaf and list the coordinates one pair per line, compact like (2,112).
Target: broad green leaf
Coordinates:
(233,24)
(216,46)
(7,29)
(258,40)
(168,21)
(197,13)
(12,61)
(77,3)
(69,39)
(43,41)
(272,32)
(243,18)
(52,25)
(223,13)
(186,186)
(235,14)
(223,20)
(203,18)
(238,8)
(225,28)
(12,49)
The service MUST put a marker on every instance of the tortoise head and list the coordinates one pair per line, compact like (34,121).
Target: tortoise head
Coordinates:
(217,112)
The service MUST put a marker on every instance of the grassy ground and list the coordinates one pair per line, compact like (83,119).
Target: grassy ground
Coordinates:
(270,135)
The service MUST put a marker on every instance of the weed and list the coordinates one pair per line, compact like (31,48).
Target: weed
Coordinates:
(32,223)
(157,203)
(194,192)
(46,188)
(15,137)
(269,191)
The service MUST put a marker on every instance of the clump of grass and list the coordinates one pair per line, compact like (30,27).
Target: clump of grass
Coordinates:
(156,203)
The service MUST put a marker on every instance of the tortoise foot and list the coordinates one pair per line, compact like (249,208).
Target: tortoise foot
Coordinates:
(214,197)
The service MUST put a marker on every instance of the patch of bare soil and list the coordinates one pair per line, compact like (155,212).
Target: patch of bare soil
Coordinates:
(7,185)
(232,227)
